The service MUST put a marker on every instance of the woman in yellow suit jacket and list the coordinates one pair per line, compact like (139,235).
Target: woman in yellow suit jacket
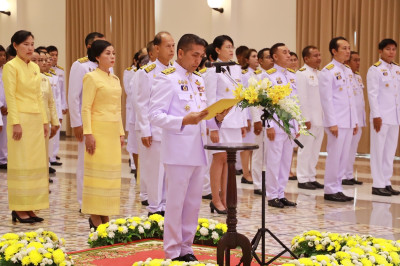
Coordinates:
(104,136)
(27,127)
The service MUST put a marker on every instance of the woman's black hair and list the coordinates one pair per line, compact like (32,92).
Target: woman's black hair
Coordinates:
(219,41)
(18,38)
(10,51)
(96,49)
(247,56)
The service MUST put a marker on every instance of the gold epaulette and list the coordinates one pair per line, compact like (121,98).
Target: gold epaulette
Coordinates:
(378,63)
(358,73)
(52,71)
(57,66)
(258,71)
(83,59)
(395,63)
(203,70)
(271,71)
(302,69)
(330,66)
(150,68)
(197,73)
(169,70)
(47,74)
(244,71)
(143,66)
(136,69)
(290,70)
(129,68)
(346,65)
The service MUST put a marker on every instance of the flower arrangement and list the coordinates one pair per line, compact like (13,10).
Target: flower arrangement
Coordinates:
(125,230)
(160,262)
(276,100)
(210,229)
(39,247)
(325,248)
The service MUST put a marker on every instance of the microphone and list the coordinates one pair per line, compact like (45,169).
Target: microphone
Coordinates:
(219,64)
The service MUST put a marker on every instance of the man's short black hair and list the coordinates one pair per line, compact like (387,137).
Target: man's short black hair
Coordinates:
(386,42)
(90,37)
(307,51)
(51,48)
(2,48)
(186,41)
(293,53)
(261,53)
(333,44)
(274,48)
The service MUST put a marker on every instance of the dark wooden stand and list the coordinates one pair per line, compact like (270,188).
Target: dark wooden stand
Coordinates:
(232,239)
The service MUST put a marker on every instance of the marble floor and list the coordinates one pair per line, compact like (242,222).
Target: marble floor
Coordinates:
(368,214)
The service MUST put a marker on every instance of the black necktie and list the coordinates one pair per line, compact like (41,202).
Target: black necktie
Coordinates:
(229,70)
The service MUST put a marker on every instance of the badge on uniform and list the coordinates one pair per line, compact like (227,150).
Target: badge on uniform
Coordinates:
(197,82)
(184,88)
(385,73)
(279,80)
(338,76)
(312,77)
(292,81)
(227,89)
(201,89)
(187,108)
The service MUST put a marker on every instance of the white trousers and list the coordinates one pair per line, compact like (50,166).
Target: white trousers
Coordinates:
(79,170)
(3,142)
(348,174)
(338,154)
(54,146)
(307,158)
(383,149)
(132,145)
(257,160)
(184,187)
(206,181)
(278,159)
(153,175)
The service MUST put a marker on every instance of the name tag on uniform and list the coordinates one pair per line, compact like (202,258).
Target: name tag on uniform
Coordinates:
(338,76)
(201,89)
(184,88)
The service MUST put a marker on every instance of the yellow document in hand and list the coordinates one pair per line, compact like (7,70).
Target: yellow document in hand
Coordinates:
(219,107)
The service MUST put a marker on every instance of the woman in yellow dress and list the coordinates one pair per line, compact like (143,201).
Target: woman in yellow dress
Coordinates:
(104,136)
(27,127)
(41,58)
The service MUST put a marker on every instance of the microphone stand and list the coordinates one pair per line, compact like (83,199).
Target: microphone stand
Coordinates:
(260,235)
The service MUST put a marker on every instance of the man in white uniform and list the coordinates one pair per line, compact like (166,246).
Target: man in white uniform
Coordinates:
(3,108)
(78,70)
(383,85)
(311,109)
(177,101)
(340,117)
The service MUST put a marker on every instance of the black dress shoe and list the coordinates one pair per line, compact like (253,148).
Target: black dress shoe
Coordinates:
(145,203)
(391,190)
(208,196)
(57,158)
(213,208)
(188,258)
(3,166)
(133,171)
(177,259)
(16,217)
(348,198)
(162,213)
(239,172)
(287,202)
(245,181)
(381,192)
(335,197)
(293,177)
(316,184)
(56,163)
(306,185)
(52,170)
(275,203)
(50,180)
(347,182)
(258,192)
(37,219)
(356,182)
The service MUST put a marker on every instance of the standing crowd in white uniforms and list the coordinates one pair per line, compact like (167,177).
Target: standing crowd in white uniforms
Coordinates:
(165,105)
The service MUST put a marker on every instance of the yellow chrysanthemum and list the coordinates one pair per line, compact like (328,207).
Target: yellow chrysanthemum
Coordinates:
(238,92)
(251,95)
(26,260)
(35,257)
(205,225)
(36,245)
(306,261)
(120,221)
(366,262)
(395,257)
(10,236)
(58,256)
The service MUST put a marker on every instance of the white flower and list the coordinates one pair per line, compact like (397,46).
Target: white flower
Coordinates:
(211,226)
(147,226)
(141,230)
(310,244)
(124,229)
(14,259)
(252,81)
(204,231)
(112,228)
(111,234)
(214,235)
(40,231)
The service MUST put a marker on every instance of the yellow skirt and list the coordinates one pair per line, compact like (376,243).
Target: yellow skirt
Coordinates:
(102,171)
(27,169)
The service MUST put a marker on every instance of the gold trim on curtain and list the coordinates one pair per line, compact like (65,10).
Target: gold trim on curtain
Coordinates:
(128,24)
(363,22)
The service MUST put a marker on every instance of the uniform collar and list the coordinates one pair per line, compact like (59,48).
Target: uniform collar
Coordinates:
(385,63)
(337,63)
(279,68)
(161,65)
(310,68)
(181,70)
(250,70)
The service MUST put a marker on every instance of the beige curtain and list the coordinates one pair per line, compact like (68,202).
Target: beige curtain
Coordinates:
(363,22)
(127,24)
